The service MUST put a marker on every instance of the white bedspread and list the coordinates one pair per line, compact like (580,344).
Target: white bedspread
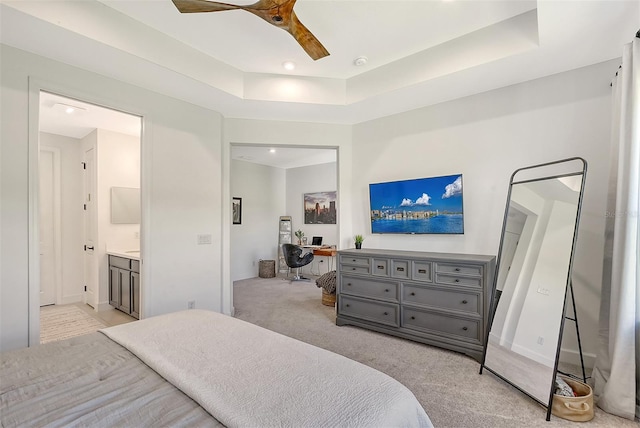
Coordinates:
(247,376)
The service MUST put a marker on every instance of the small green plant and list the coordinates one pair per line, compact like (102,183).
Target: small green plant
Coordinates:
(299,234)
(359,239)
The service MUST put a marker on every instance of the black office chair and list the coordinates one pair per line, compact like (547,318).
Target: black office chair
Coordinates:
(292,256)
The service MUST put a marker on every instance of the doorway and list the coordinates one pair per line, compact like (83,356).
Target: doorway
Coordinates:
(84,150)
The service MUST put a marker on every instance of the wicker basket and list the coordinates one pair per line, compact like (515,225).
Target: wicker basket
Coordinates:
(267,269)
(577,409)
(328,299)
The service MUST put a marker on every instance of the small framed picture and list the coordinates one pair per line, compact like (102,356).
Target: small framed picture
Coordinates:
(236,213)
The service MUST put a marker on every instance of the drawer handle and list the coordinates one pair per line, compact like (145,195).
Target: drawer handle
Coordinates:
(347,305)
(353,268)
(464,302)
(349,284)
(386,313)
(354,260)
(457,280)
(412,293)
(400,269)
(465,328)
(422,271)
(386,290)
(457,269)
(380,267)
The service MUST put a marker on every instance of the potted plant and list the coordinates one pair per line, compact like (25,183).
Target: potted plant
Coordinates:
(358,240)
(299,234)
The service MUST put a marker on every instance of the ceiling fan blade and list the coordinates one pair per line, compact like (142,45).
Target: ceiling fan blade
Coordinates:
(307,40)
(195,6)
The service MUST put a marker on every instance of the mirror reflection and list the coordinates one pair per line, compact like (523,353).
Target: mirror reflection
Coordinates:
(531,282)
(125,205)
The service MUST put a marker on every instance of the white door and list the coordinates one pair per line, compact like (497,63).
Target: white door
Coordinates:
(47,229)
(90,272)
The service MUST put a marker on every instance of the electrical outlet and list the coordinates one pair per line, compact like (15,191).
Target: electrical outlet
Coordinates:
(191,304)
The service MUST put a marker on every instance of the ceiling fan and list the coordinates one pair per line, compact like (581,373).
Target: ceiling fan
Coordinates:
(276,12)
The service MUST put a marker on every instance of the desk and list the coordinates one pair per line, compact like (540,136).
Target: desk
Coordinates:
(326,252)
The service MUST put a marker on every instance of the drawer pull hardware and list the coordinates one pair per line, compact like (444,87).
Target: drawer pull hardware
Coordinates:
(354,260)
(457,269)
(347,305)
(386,290)
(400,269)
(422,271)
(349,284)
(413,294)
(464,302)
(413,318)
(386,313)
(457,280)
(353,268)
(465,328)
(380,267)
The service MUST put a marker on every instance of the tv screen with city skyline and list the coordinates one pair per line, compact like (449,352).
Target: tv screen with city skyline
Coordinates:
(418,206)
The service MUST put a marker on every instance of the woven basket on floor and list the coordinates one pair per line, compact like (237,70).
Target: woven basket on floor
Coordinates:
(328,299)
(267,269)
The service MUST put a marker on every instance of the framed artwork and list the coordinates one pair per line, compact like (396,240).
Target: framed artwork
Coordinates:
(320,208)
(236,213)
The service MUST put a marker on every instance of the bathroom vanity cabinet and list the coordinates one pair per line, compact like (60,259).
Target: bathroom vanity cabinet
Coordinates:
(124,285)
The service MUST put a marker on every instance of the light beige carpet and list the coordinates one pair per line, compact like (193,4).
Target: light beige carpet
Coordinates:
(63,322)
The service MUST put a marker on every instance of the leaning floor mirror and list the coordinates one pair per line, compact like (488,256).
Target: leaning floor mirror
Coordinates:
(533,276)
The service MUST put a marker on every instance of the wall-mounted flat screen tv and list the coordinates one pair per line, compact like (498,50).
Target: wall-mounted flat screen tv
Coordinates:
(418,206)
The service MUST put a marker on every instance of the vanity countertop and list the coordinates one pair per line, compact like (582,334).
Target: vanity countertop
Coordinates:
(127,254)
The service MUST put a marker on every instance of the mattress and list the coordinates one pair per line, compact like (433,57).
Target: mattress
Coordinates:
(197,368)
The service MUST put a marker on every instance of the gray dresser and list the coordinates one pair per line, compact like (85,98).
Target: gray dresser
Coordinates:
(435,298)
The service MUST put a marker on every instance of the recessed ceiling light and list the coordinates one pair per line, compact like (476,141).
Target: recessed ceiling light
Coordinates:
(289,65)
(272,150)
(361,60)
(69,109)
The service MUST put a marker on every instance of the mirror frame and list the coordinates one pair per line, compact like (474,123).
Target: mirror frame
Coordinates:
(568,284)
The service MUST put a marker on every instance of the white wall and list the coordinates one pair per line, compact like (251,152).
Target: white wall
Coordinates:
(181,181)
(262,189)
(118,165)
(486,137)
(310,179)
(72,283)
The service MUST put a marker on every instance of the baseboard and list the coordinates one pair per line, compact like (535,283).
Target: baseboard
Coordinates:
(572,356)
(74,298)
(103,307)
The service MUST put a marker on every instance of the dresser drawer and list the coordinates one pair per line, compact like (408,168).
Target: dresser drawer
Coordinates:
(380,267)
(400,269)
(120,262)
(470,281)
(441,298)
(380,312)
(458,268)
(441,324)
(354,260)
(366,287)
(355,269)
(421,271)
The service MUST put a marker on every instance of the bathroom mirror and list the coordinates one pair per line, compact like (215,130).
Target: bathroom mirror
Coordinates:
(125,205)
(533,275)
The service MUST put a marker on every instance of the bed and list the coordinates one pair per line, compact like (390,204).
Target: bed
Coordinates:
(196,368)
